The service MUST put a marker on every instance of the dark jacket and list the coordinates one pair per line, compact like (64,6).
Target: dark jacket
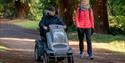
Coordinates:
(48,20)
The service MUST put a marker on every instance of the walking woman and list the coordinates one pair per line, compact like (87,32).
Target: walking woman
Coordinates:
(84,24)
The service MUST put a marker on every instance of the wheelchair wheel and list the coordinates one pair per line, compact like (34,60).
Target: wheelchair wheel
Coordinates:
(36,54)
(45,58)
(70,59)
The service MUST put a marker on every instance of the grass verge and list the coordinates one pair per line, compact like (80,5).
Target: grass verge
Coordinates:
(2,48)
(110,42)
(27,24)
(1,61)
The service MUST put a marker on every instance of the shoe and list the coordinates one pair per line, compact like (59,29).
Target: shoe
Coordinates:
(81,54)
(90,57)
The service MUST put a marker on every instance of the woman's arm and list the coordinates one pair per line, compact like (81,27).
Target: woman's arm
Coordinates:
(91,18)
(77,17)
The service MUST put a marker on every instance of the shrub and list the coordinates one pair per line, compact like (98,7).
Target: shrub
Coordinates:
(117,24)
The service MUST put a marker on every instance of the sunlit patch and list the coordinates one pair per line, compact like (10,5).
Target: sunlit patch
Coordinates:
(18,39)
(2,48)
(117,46)
(73,43)
(23,50)
(17,49)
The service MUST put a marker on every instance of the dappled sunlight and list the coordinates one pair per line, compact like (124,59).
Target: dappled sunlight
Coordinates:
(116,46)
(21,50)
(100,38)
(102,41)
(3,48)
(76,42)
(18,44)
(17,39)
(73,43)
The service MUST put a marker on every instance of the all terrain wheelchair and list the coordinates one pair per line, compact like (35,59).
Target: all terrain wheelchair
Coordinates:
(56,47)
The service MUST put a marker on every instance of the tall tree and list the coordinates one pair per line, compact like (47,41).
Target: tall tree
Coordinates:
(101,16)
(21,9)
(66,9)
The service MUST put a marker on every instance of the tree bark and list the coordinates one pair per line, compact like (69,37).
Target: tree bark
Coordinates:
(101,16)
(21,9)
(66,9)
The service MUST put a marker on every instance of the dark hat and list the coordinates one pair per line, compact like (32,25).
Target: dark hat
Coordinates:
(51,8)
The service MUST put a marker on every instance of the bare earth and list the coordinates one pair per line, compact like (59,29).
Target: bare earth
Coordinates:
(20,47)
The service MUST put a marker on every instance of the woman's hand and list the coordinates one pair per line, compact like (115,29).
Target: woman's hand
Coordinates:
(92,31)
(65,26)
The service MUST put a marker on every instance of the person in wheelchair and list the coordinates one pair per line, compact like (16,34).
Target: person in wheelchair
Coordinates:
(49,18)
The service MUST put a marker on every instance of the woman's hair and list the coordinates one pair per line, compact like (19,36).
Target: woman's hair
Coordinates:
(85,1)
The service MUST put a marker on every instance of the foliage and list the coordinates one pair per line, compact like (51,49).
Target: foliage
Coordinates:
(35,10)
(72,28)
(6,8)
(116,11)
(38,7)
(117,24)
(1,10)
(116,7)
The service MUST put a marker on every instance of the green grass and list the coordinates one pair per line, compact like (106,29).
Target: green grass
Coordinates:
(107,38)
(28,24)
(1,61)
(114,43)
(2,48)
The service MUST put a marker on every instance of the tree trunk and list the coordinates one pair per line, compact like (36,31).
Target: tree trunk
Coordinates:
(21,9)
(66,8)
(101,16)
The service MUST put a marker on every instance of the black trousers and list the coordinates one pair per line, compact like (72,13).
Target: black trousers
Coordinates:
(87,33)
